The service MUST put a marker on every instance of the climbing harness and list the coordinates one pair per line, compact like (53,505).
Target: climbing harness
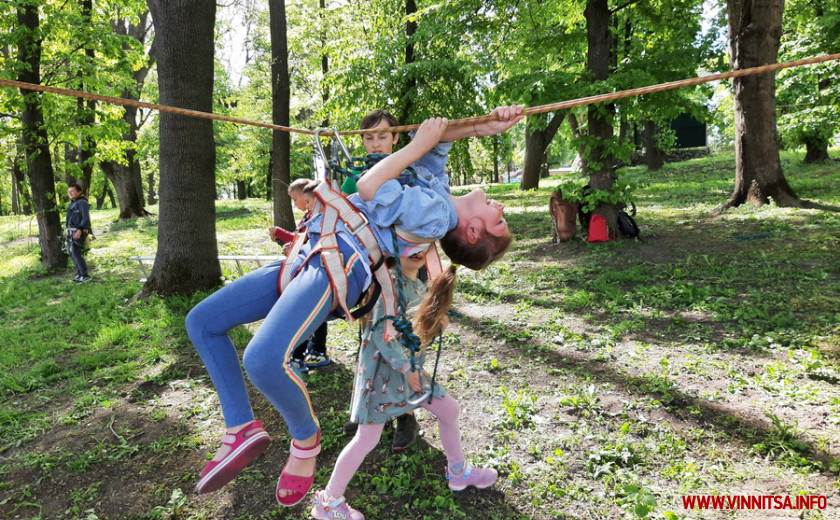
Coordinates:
(336,208)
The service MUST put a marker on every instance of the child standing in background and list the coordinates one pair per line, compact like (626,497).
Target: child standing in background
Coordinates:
(382,143)
(313,352)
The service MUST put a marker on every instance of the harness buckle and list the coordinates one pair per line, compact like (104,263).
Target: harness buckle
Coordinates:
(357,229)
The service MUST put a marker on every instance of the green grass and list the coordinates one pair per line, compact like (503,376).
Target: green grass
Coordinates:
(601,380)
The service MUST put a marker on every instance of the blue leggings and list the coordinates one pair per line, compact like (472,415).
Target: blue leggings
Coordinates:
(288,320)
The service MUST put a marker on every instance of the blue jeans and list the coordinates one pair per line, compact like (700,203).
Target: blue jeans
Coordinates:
(288,320)
(74,249)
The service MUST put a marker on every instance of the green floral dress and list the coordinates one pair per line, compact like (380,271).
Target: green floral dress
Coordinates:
(380,390)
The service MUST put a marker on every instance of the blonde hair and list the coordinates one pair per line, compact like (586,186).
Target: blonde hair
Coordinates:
(431,311)
(429,314)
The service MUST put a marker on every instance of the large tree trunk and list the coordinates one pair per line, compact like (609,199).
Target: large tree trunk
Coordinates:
(187,258)
(280,94)
(128,182)
(536,143)
(35,142)
(86,108)
(598,163)
(755,27)
(126,175)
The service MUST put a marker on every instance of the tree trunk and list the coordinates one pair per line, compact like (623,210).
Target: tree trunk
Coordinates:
(755,27)
(22,200)
(654,156)
(128,182)
(598,163)
(86,108)
(35,142)
(126,175)
(269,192)
(816,150)
(496,158)
(325,59)
(187,258)
(411,80)
(151,197)
(536,143)
(106,192)
(280,95)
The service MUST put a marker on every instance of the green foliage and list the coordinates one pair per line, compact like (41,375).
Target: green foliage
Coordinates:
(518,408)
(782,442)
(638,500)
(619,194)
(808,97)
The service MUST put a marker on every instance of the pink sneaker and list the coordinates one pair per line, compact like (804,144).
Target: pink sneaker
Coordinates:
(471,476)
(329,508)
(244,446)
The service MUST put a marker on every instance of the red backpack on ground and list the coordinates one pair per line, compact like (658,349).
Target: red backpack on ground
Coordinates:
(598,229)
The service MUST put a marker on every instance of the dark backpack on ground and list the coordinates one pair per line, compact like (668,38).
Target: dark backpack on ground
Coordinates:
(563,212)
(626,225)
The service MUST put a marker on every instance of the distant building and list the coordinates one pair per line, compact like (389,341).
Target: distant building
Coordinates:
(690,132)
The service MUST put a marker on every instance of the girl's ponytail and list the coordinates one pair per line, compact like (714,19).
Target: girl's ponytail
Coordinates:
(433,308)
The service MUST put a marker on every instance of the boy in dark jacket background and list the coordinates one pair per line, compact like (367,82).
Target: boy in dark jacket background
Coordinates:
(78,227)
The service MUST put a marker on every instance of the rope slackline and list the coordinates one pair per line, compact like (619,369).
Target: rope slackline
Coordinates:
(600,98)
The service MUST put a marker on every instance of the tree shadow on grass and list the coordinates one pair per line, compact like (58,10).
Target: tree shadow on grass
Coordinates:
(738,424)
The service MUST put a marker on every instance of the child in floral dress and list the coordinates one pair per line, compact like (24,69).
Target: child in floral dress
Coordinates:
(386,386)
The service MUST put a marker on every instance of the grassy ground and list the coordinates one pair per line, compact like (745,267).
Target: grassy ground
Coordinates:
(603,381)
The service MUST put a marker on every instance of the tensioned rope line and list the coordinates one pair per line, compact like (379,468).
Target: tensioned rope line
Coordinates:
(142,104)
(562,105)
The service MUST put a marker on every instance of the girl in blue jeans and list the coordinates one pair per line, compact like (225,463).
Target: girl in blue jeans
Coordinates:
(472,231)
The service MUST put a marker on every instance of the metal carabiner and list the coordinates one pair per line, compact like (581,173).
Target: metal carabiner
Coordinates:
(417,400)
(337,144)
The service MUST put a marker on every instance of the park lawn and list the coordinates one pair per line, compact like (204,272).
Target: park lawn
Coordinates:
(602,380)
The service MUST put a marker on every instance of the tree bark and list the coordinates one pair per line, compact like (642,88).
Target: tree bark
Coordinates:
(35,142)
(654,156)
(495,158)
(536,143)
(151,197)
(86,108)
(21,199)
(187,258)
(126,175)
(597,163)
(411,80)
(280,99)
(816,150)
(325,59)
(755,28)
